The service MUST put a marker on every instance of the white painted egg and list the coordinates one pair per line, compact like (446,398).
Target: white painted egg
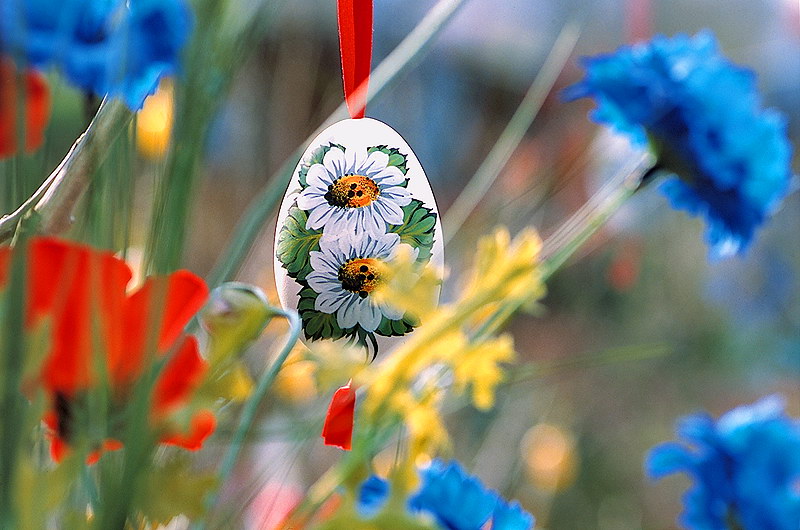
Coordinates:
(357,195)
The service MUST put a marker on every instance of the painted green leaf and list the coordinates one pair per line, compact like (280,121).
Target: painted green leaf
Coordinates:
(316,324)
(396,158)
(295,242)
(418,228)
(397,328)
(316,158)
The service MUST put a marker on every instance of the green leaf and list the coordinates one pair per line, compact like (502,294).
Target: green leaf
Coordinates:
(396,158)
(418,229)
(295,242)
(397,328)
(316,158)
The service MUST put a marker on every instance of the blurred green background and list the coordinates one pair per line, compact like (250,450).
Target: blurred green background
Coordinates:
(568,445)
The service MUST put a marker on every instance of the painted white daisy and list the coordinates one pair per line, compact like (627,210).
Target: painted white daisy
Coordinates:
(353,191)
(347,270)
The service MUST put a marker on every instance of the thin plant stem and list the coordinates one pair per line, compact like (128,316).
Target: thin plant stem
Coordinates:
(12,403)
(513,133)
(251,408)
(571,236)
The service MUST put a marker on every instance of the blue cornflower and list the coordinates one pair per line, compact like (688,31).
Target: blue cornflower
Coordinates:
(104,47)
(745,466)
(372,495)
(702,115)
(454,499)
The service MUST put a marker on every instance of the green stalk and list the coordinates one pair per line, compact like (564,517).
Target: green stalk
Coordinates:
(55,199)
(213,57)
(583,224)
(120,488)
(397,63)
(513,133)
(12,403)
(572,235)
(107,207)
(251,409)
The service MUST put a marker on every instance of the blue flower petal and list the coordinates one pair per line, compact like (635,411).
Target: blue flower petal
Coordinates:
(511,516)
(372,495)
(666,459)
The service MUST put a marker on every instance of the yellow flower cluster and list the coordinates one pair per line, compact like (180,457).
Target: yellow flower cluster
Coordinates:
(456,342)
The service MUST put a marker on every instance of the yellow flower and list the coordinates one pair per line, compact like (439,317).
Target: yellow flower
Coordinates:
(154,123)
(504,277)
(410,286)
(478,366)
(506,270)
(426,431)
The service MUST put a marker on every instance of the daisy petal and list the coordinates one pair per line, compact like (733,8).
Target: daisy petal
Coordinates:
(389,176)
(320,215)
(334,162)
(330,301)
(369,315)
(347,315)
(393,213)
(375,162)
(310,199)
(319,177)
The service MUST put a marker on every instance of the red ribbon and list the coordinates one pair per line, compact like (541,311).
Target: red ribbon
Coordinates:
(338,428)
(355,45)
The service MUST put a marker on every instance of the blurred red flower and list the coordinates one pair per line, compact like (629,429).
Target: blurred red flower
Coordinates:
(37,107)
(82,293)
(338,428)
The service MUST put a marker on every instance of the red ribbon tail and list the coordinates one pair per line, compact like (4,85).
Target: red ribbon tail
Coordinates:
(355,47)
(338,428)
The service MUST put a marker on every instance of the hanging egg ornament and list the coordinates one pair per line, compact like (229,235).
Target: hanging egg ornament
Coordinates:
(356,197)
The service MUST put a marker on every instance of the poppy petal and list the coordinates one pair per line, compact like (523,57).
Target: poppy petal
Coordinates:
(106,447)
(182,374)
(58,448)
(37,101)
(70,283)
(173,299)
(203,424)
(338,428)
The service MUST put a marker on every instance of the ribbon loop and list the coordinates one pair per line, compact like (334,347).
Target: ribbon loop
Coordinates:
(355,47)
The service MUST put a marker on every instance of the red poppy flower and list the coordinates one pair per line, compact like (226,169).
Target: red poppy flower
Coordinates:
(81,293)
(37,103)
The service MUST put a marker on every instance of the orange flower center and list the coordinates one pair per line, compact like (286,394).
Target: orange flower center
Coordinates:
(352,191)
(361,275)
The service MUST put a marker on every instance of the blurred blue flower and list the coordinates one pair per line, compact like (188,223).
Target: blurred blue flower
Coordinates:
(456,500)
(372,495)
(702,115)
(109,47)
(745,466)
